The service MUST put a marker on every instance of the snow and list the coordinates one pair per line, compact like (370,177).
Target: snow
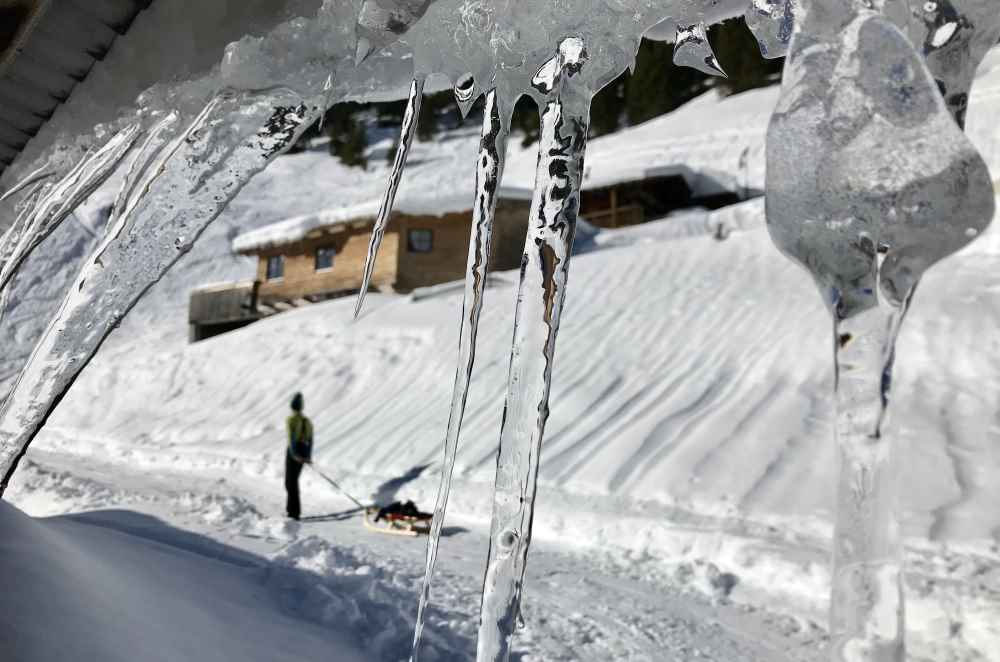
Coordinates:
(690,424)
(703,141)
(117,586)
(438,185)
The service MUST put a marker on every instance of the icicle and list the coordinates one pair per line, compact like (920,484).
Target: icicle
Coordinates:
(43,172)
(867,237)
(489,173)
(66,195)
(866,612)
(466,93)
(772,23)
(692,49)
(545,267)
(327,99)
(406,133)
(188,190)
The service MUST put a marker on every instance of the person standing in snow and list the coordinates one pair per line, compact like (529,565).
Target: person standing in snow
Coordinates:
(300,438)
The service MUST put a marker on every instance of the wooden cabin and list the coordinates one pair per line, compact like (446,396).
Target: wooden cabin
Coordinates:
(322,256)
(633,201)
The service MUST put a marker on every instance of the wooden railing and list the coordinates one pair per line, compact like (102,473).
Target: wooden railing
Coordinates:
(616,217)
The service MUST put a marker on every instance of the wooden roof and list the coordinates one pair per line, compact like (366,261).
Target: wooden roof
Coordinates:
(46,48)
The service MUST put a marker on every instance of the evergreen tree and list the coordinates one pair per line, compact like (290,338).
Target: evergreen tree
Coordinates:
(526,120)
(437,111)
(348,139)
(738,53)
(658,86)
(606,108)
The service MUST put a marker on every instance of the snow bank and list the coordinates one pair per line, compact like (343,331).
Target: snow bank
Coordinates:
(115,586)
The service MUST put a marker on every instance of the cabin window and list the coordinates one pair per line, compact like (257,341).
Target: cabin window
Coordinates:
(275,267)
(324,258)
(420,241)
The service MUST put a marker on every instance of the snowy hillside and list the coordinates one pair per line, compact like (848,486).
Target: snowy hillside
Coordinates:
(691,405)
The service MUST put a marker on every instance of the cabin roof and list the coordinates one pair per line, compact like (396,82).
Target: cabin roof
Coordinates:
(421,203)
(46,48)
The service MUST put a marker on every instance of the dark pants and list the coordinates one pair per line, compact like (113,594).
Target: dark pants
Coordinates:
(292,470)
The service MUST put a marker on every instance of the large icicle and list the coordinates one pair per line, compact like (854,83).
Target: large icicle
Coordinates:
(489,173)
(406,133)
(66,195)
(544,271)
(237,139)
(888,188)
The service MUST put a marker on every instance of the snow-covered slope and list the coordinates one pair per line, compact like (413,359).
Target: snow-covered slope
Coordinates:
(117,586)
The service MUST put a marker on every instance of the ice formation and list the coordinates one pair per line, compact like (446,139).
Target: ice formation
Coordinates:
(886,186)
(692,49)
(409,129)
(565,121)
(489,173)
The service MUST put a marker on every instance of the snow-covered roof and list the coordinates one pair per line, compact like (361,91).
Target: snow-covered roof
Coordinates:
(716,143)
(320,191)
(429,202)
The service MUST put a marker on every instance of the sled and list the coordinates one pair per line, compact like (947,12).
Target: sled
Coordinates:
(397,524)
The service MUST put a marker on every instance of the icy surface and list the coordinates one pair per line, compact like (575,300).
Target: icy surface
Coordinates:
(772,23)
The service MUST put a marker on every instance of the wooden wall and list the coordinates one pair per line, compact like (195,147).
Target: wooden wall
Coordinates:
(396,268)
(509,231)
(351,244)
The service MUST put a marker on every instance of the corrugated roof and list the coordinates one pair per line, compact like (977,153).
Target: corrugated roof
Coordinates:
(46,48)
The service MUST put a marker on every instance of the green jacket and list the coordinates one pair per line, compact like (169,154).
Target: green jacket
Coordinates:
(300,437)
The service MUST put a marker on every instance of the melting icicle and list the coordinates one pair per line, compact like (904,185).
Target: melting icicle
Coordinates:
(489,173)
(466,93)
(406,133)
(692,49)
(37,175)
(544,271)
(772,23)
(66,195)
(243,133)
(867,206)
